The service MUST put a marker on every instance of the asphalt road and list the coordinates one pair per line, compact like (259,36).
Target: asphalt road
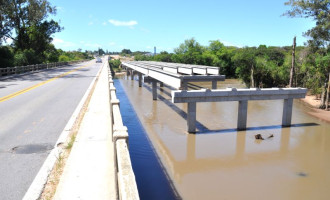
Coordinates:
(34,110)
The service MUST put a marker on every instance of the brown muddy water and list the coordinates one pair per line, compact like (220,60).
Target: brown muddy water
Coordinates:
(219,162)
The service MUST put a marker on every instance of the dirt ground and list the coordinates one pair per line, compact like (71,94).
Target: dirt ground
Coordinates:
(122,58)
(314,102)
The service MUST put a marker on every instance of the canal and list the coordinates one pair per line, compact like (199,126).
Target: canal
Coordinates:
(219,162)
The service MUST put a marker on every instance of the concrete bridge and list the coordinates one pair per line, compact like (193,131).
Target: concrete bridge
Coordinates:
(179,75)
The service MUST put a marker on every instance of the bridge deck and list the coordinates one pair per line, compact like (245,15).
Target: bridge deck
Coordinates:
(174,74)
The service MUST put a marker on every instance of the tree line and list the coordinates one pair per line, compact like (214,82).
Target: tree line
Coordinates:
(26,24)
(264,66)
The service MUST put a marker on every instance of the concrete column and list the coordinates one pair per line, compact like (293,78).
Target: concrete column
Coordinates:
(161,84)
(287,112)
(154,90)
(132,74)
(140,79)
(214,84)
(127,73)
(191,117)
(242,115)
(184,86)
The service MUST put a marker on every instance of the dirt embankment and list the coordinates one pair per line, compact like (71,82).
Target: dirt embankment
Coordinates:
(313,102)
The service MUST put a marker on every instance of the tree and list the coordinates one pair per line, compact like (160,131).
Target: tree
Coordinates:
(28,19)
(319,42)
(189,52)
(244,60)
(126,51)
(101,51)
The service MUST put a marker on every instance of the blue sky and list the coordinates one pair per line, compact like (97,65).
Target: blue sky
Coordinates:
(143,24)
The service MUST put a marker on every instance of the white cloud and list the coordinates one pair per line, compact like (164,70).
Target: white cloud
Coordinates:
(226,43)
(90,23)
(123,23)
(61,43)
(112,43)
(104,23)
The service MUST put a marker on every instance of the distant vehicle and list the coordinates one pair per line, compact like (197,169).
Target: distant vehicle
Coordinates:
(98,60)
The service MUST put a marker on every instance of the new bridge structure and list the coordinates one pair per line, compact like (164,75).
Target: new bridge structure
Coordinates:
(178,76)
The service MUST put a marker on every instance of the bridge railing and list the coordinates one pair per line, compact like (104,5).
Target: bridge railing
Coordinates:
(127,188)
(31,68)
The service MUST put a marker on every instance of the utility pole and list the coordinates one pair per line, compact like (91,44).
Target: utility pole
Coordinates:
(293,62)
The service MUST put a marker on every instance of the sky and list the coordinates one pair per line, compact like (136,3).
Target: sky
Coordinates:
(141,25)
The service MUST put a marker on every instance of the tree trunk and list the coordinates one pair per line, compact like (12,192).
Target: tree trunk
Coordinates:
(322,104)
(252,79)
(292,62)
(328,93)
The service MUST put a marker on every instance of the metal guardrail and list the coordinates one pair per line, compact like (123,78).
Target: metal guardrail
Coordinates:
(127,188)
(31,68)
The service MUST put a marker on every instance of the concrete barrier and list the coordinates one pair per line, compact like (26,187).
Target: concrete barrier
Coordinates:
(31,68)
(127,188)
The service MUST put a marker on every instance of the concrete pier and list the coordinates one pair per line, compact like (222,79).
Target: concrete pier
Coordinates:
(154,90)
(191,117)
(287,112)
(242,115)
(242,96)
(140,80)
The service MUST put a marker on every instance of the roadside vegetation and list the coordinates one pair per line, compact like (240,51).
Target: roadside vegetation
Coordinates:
(26,24)
(115,65)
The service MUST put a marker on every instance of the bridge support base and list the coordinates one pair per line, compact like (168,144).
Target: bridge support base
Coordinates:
(242,115)
(191,117)
(154,90)
(140,80)
(214,84)
(287,112)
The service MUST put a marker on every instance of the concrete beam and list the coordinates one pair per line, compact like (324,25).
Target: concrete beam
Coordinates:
(233,94)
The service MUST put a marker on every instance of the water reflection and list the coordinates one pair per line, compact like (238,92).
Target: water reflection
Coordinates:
(231,164)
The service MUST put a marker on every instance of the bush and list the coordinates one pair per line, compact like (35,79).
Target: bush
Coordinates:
(6,57)
(26,57)
(114,64)
(63,58)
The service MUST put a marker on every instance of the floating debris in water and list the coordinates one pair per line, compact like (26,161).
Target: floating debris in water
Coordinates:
(302,174)
(258,137)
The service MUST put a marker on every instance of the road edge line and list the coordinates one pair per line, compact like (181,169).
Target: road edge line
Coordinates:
(37,186)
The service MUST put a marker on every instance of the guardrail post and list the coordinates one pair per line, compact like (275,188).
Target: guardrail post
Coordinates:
(287,112)
(242,115)
(191,117)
